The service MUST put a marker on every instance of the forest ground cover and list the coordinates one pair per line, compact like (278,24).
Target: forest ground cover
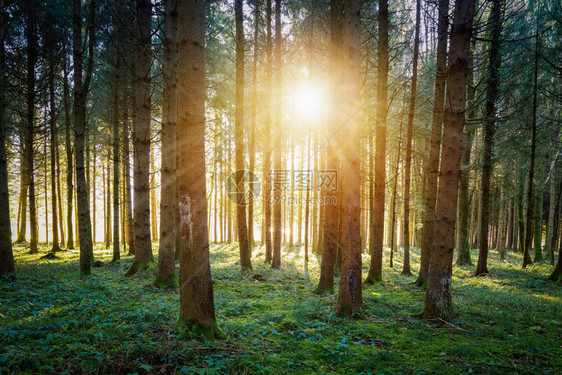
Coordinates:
(51,321)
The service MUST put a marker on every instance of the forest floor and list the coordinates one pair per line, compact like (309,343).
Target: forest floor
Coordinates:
(51,321)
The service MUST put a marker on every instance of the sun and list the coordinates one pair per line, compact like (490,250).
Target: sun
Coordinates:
(308,102)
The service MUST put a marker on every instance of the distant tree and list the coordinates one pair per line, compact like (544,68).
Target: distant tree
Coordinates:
(438,304)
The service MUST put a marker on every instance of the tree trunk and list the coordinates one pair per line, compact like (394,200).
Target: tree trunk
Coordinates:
(410,133)
(530,184)
(196,287)
(492,94)
(141,141)
(7,265)
(278,188)
(349,296)
(69,157)
(80,95)
(377,214)
(32,56)
(166,275)
(130,240)
(438,304)
(116,138)
(53,131)
(266,137)
(252,142)
(326,283)
(241,196)
(435,143)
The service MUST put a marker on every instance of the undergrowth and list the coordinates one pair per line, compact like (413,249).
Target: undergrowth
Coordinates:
(52,321)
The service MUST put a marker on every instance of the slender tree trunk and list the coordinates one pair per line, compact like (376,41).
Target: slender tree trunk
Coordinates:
(377,212)
(7,264)
(166,251)
(241,196)
(141,142)
(53,131)
(329,250)
(530,184)
(196,287)
(127,174)
(252,143)
(266,137)
(32,56)
(153,213)
(69,157)
(410,132)
(80,95)
(438,304)
(278,188)
(463,229)
(349,296)
(116,138)
(492,93)
(435,142)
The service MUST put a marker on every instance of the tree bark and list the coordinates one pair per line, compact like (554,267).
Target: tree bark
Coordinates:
(492,93)
(330,243)
(349,297)
(32,56)
(410,132)
(53,131)
(435,143)
(278,187)
(266,137)
(141,141)
(377,212)
(7,264)
(196,287)
(166,251)
(80,95)
(241,223)
(69,158)
(438,303)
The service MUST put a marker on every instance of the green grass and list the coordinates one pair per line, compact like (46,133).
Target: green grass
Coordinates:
(52,321)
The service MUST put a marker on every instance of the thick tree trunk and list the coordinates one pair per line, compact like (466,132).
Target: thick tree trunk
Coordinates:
(278,189)
(196,286)
(241,223)
(141,142)
(438,303)
(492,93)
(330,242)
(410,133)
(7,265)
(166,274)
(349,297)
(377,214)
(435,142)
